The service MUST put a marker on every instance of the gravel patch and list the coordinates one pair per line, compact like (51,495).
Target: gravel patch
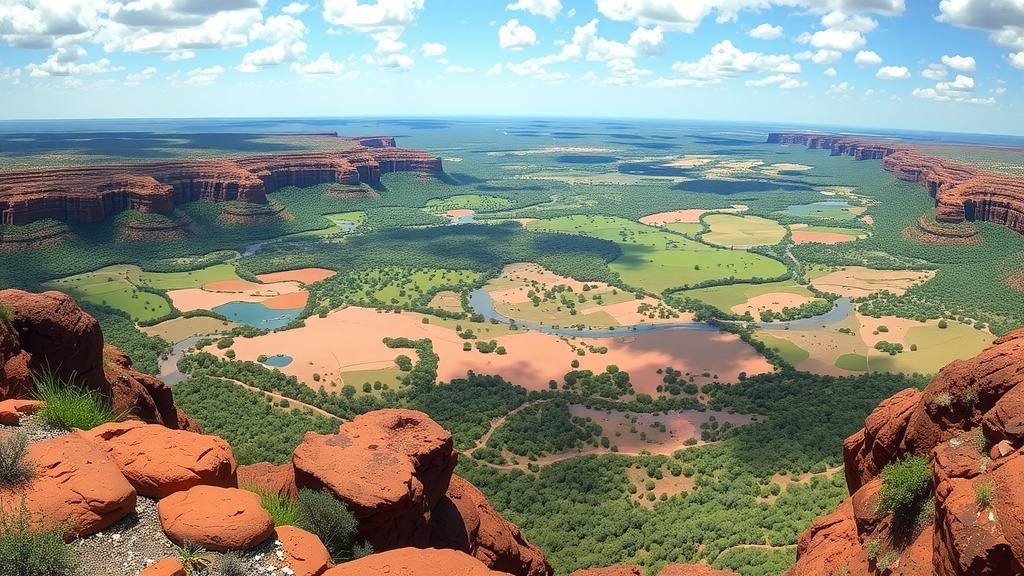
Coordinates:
(33,428)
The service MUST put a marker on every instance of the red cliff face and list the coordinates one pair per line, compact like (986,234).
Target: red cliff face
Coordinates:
(50,330)
(960,192)
(91,193)
(969,422)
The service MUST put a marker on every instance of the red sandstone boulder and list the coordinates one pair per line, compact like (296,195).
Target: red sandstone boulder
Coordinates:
(50,330)
(165,567)
(74,482)
(829,544)
(268,478)
(612,571)
(218,519)
(304,552)
(159,461)
(464,520)
(881,439)
(693,570)
(12,410)
(414,562)
(391,467)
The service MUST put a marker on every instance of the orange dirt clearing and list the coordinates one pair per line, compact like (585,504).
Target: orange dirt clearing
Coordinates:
(772,301)
(459,213)
(897,333)
(189,299)
(287,301)
(625,313)
(304,275)
(687,216)
(351,339)
(856,281)
(679,426)
(804,237)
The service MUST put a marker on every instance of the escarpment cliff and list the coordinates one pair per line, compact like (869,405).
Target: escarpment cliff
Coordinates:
(961,193)
(969,424)
(91,193)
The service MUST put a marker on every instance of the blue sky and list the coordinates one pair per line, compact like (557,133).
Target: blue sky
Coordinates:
(949,65)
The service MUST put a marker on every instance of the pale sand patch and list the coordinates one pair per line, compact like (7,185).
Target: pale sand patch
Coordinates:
(688,216)
(692,161)
(732,168)
(351,339)
(798,226)
(304,275)
(447,300)
(897,333)
(679,426)
(625,313)
(528,273)
(188,299)
(868,219)
(525,221)
(459,213)
(772,301)
(251,288)
(287,301)
(802,237)
(179,329)
(857,281)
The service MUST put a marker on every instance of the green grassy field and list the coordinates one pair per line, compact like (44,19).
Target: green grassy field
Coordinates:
(936,347)
(476,202)
(790,352)
(657,260)
(178,280)
(725,297)
(110,286)
(854,362)
(729,230)
(689,228)
(835,230)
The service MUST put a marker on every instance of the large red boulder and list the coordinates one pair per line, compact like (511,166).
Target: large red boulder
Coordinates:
(304,553)
(159,461)
(612,571)
(830,544)
(12,410)
(75,483)
(218,519)
(50,331)
(464,520)
(881,439)
(166,567)
(414,562)
(390,466)
(268,478)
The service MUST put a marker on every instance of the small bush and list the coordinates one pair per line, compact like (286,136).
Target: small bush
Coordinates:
(193,558)
(905,484)
(971,397)
(888,561)
(67,405)
(6,314)
(231,564)
(872,547)
(944,400)
(985,494)
(29,549)
(15,469)
(330,519)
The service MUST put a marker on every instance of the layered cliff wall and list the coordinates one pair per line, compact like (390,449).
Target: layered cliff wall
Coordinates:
(961,193)
(91,193)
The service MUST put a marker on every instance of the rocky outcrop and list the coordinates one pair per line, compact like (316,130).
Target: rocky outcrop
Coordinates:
(218,519)
(91,193)
(961,193)
(968,423)
(159,461)
(75,486)
(464,520)
(50,331)
(415,562)
(305,554)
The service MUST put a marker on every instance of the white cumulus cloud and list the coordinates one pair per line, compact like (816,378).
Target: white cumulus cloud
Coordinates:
(893,73)
(726,60)
(516,36)
(934,72)
(546,8)
(841,89)
(960,63)
(867,58)
(1017,60)
(295,8)
(456,69)
(322,66)
(783,81)
(766,32)
(1003,19)
(960,89)
(139,78)
(203,76)
(433,49)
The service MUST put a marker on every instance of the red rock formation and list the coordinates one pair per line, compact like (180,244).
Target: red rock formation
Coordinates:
(961,193)
(414,562)
(693,570)
(268,478)
(74,483)
(159,461)
(12,410)
(50,330)
(91,193)
(218,519)
(166,567)
(967,536)
(612,571)
(305,554)
(464,520)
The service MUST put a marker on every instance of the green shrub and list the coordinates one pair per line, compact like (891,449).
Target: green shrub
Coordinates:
(330,519)
(231,564)
(15,469)
(27,548)
(971,397)
(905,484)
(193,557)
(887,561)
(6,314)
(985,494)
(67,405)
(944,400)
(872,547)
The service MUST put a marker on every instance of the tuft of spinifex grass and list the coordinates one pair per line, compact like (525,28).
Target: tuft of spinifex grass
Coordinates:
(67,405)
